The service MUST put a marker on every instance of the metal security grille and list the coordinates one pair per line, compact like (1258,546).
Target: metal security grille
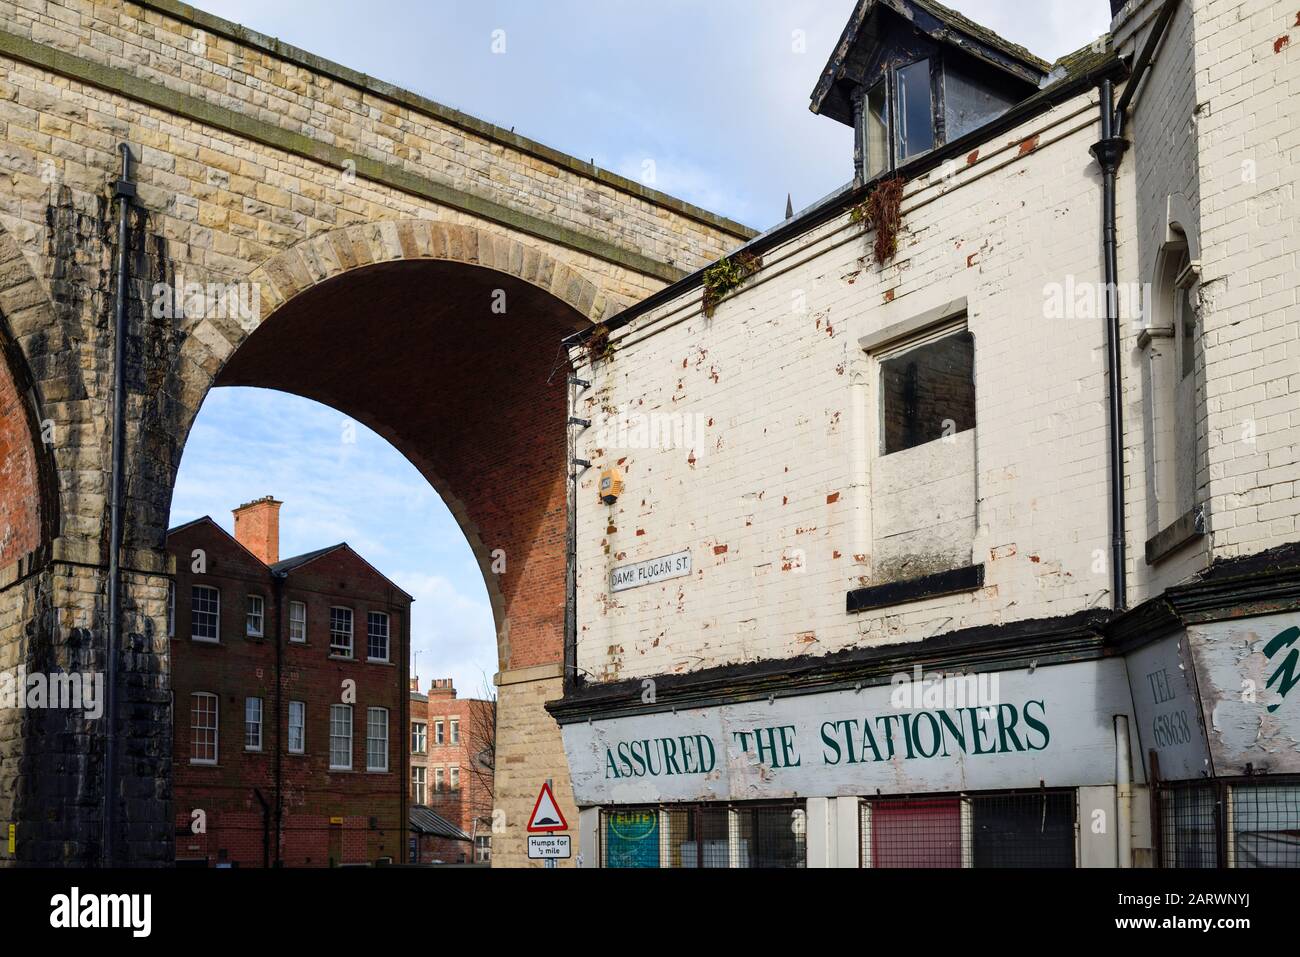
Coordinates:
(704,835)
(1005,829)
(1237,822)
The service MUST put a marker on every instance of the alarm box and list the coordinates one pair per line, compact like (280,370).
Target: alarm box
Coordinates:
(611,486)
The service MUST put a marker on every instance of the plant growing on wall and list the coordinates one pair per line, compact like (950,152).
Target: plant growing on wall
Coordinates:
(882,211)
(598,344)
(725,275)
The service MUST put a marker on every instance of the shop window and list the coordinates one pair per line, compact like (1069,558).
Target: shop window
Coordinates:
(1034,829)
(913,833)
(705,836)
(1265,824)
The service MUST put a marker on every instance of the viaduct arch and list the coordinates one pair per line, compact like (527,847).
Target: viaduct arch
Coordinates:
(379,230)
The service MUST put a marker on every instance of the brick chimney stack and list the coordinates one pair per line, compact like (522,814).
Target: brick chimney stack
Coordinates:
(441,688)
(415,685)
(257,528)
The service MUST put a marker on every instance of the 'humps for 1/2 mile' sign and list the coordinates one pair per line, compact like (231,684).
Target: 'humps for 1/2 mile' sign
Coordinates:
(650,571)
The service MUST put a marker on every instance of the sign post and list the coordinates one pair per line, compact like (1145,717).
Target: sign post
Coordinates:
(546,819)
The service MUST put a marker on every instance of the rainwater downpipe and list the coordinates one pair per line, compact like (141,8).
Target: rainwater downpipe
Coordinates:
(1109,151)
(124,191)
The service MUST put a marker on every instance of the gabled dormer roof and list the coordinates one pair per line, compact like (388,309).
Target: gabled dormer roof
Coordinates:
(863,35)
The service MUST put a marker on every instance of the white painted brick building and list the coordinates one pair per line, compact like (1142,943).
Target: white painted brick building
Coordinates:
(858,468)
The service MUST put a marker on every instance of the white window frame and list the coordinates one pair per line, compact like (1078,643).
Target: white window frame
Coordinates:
(215,728)
(300,727)
(252,723)
(454,735)
(336,712)
(439,737)
(351,632)
(194,594)
(376,721)
(439,779)
(419,783)
(453,778)
(298,635)
(420,735)
(371,619)
(483,848)
(256,611)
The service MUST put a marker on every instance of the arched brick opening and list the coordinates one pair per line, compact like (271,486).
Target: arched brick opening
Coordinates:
(473,398)
(445,341)
(29,501)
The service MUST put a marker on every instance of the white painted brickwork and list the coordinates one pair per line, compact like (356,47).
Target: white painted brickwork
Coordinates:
(774,501)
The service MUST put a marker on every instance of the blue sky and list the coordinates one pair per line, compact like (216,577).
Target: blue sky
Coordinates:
(713,92)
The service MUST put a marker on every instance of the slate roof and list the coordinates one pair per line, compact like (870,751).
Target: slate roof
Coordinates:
(426,821)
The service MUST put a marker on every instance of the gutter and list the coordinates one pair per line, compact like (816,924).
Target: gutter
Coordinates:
(124,191)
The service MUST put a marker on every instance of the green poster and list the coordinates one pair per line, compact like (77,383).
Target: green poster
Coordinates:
(632,839)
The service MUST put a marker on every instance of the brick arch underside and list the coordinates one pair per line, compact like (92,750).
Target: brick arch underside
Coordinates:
(472,397)
(20,486)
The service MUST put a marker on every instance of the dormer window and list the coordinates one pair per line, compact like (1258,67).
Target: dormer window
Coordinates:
(913,77)
(892,137)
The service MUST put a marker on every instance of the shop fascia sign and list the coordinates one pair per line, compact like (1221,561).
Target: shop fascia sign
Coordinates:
(1053,725)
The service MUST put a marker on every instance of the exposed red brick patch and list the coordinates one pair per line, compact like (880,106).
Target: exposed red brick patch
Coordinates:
(835,554)
(1002,551)
(610,529)
(719,549)
(1035,559)
(1028,145)
(806,637)
(1281,43)
(785,500)
(970,260)
(889,295)
(832,498)
(640,531)
(971,157)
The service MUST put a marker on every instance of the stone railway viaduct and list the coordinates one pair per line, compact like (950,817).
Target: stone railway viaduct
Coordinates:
(379,229)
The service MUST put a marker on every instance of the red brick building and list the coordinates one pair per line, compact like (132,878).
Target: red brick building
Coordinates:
(453,745)
(289,687)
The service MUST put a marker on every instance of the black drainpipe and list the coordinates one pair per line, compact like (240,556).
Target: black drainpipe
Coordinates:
(281,718)
(1109,151)
(124,191)
(575,467)
(266,827)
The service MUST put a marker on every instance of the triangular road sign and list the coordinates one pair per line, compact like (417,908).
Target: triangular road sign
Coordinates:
(546,813)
